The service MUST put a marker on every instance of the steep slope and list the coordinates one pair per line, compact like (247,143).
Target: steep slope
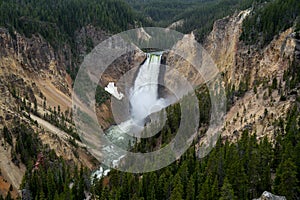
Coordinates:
(36,71)
(253,77)
(34,82)
(36,90)
(256,74)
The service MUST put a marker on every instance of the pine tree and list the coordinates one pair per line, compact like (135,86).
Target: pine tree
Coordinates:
(8,196)
(190,189)
(205,190)
(56,196)
(177,192)
(35,106)
(253,167)
(104,194)
(286,182)
(50,185)
(227,192)
(215,189)
(42,195)
(160,187)
(81,185)
(266,156)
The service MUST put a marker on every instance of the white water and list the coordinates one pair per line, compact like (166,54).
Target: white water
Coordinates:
(144,94)
(143,102)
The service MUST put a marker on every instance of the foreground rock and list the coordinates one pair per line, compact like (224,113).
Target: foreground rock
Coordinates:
(269,196)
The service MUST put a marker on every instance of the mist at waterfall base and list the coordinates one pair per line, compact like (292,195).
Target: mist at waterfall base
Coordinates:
(144,100)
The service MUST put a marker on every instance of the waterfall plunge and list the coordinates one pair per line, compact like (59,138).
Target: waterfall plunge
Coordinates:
(144,94)
(143,102)
(143,98)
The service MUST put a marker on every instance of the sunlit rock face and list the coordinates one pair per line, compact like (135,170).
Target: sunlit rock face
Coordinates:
(240,64)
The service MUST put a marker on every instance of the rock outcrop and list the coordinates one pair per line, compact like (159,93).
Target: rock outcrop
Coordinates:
(269,196)
(87,38)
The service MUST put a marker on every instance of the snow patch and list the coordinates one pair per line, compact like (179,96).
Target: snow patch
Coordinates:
(113,90)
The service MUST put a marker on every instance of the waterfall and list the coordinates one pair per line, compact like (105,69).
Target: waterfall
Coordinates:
(143,101)
(144,94)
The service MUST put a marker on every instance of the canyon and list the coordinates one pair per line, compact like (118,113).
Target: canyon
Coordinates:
(33,70)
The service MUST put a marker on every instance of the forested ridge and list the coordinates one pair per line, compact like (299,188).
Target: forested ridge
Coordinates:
(198,16)
(269,20)
(57,21)
(65,17)
(201,18)
(162,11)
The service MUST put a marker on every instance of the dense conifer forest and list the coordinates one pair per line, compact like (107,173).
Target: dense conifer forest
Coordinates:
(242,170)
(269,20)
(58,20)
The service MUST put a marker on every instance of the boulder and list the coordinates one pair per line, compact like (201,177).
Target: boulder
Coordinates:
(269,196)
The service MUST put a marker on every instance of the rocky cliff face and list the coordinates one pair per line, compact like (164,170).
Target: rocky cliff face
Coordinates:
(33,63)
(223,43)
(249,69)
(184,66)
(255,68)
(239,62)
(87,38)
(33,72)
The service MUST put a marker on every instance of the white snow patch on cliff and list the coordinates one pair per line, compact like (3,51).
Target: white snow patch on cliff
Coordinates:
(113,90)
